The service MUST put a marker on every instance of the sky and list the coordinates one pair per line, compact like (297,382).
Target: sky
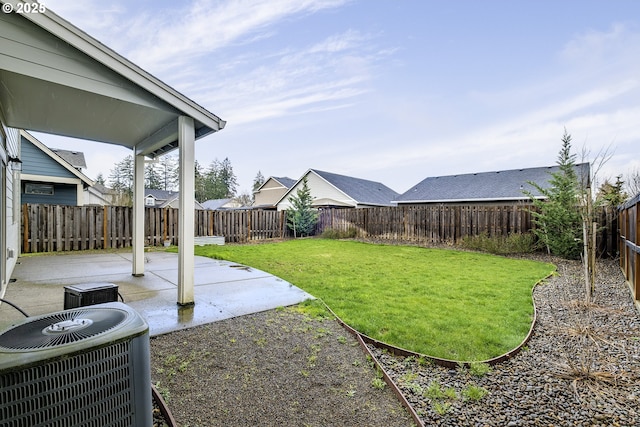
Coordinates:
(387,90)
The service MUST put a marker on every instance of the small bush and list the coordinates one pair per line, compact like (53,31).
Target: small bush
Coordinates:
(515,243)
(331,233)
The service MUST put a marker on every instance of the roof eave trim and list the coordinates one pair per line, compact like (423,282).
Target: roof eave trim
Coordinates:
(505,199)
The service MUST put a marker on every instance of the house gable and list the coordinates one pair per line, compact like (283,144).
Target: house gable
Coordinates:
(47,178)
(329,189)
(272,190)
(363,191)
(37,162)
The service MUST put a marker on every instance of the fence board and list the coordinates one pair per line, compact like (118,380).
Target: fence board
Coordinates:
(48,228)
(629,244)
(64,228)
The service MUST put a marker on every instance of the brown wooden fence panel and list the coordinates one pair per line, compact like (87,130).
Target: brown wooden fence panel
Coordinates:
(430,224)
(629,244)
(48,228)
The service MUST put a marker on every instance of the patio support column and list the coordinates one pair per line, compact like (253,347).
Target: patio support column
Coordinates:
(138,215)
(186,264)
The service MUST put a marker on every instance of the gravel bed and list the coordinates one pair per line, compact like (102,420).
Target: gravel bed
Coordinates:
(580,368)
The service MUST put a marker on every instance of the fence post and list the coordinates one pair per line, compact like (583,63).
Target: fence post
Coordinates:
(25,230)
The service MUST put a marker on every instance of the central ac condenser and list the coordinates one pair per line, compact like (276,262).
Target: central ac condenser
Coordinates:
(87,366)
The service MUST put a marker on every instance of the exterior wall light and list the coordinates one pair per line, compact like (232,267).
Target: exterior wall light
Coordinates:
(16,163)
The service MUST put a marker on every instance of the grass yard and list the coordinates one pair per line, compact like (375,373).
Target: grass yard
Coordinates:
(444,303)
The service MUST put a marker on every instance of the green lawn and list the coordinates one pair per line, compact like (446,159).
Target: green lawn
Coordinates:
(443,303)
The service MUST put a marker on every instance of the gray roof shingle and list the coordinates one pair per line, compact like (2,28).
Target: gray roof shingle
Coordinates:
(285,181)
(485,186)
(74,158)
(361,190)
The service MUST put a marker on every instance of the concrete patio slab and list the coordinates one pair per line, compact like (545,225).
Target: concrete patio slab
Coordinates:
(222,289)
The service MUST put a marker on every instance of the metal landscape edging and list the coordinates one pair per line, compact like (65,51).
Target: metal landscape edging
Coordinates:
(448,363)
(164,409)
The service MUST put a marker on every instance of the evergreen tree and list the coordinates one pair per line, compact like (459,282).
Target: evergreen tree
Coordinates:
(558,219)
(219,181)
(612,194)
(227,179)
(121,180)
(100,179)
(200,183)
(258,181)
(152,177)
(168,171)
(302,218)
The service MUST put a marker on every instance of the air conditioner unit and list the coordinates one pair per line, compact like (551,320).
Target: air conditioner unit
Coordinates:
(87,366)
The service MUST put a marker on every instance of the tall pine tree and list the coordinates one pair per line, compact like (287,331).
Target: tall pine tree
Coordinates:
(557,218)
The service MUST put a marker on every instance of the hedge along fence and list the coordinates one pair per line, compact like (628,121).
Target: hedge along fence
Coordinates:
(629,220)
(52,228)
(431,224)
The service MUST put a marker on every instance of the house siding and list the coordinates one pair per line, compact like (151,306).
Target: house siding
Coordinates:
(37,162)
(321,190)
(9,202)
(269,193)
(63,194)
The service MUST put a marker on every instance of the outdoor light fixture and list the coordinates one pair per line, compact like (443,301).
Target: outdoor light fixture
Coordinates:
(16,163)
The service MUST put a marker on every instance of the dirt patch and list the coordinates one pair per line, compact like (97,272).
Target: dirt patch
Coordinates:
(279,367)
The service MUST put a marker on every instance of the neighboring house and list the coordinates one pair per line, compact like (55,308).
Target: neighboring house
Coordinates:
(56,79)
(221,204)
(51,176)
(271,191)
(164,199)
(340,191)
(54,176)
(100,195)
(501,187)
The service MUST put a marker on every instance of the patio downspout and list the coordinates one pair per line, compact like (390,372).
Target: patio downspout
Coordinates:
(138,215)
(186,228)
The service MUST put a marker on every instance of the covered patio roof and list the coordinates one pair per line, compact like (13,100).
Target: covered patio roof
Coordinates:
(55,78)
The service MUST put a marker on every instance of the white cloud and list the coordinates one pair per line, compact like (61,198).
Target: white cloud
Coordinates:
(168,40)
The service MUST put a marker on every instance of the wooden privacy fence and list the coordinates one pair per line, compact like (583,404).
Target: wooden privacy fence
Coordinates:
(629,223)
(51,228)
(428,224)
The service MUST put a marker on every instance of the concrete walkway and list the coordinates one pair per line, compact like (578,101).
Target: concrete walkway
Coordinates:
(222,289)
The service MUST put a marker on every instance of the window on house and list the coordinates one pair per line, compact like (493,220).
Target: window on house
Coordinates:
(39,189)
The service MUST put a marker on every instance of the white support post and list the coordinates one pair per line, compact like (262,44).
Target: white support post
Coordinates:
(138,215)
(186,264)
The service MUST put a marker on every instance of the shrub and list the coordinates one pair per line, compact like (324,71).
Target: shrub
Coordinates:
(331,233)
(515,243)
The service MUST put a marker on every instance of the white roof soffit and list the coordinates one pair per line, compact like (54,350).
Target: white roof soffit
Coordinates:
(144,108)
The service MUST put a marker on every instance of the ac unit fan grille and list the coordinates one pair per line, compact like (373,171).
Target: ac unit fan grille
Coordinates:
(33,335)
(90,389)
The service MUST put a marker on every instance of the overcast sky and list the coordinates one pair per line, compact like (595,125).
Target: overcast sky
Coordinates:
(388,90)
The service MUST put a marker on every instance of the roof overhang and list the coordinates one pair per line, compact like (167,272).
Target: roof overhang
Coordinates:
(56,79)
